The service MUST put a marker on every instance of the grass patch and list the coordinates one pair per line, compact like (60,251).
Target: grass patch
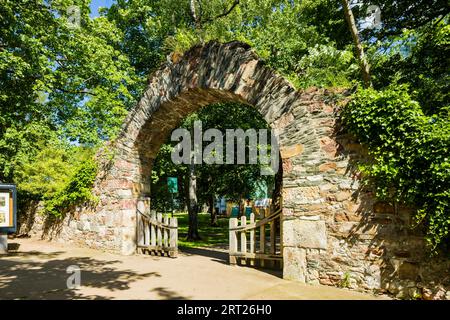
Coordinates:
(211,236)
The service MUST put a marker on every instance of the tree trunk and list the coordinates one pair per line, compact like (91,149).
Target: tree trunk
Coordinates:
(277,192)
(241,205)
(364,65)
(193,204)
(212,211)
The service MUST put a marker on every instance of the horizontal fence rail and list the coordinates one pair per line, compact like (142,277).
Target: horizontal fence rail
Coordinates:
(157,234)
(257,243)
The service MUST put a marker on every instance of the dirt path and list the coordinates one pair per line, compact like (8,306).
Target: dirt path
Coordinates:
(38,271)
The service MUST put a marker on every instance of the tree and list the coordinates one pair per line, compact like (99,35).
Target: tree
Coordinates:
(405,15)
(62,88)
(364,65)
(281,31)
(193,206)
(405,121)
(412,48)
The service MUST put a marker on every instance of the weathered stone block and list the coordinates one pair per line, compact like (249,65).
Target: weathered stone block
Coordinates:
(128,218)
(302,195)
(124,193)
(330,146)
(305,234)
(383,207)
(329,166)
(342,195)
(109,219)
(291,151)
(373,277)
(315,178)
(294,265)
(128,240)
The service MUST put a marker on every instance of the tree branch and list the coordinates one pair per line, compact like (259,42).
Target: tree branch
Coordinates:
(75,92)
(225,13)
(364,65)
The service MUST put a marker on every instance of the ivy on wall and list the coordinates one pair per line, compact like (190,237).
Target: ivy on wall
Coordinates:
(410,152)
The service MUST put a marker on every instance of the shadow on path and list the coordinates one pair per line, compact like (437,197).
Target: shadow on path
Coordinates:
(47,279)
(218,256)
(222,257)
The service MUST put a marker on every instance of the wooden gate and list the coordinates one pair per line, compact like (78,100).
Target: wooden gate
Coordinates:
(157,234)
(257,243)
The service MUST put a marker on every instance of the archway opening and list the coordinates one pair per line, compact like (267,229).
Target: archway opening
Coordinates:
(229,173)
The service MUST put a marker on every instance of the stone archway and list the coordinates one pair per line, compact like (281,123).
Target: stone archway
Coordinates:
(206,75)
(213,73)
(334,231)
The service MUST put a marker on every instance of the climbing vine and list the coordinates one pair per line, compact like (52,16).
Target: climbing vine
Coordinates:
(77,190)
(410,152)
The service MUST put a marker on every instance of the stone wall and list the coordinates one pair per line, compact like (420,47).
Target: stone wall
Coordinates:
(334,232)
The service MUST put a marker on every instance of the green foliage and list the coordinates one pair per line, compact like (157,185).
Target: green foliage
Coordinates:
(410,151)
(50,171)
(419,58)
(57,79)
(345,281)
(326,66)
(163,167)
(77,190)
(281,31)
(20,144)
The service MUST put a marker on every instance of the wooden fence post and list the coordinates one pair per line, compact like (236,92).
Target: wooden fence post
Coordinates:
(166,231)
(159,230)
(233,240)
(252,238)
(243,235)
(153,229)
(273,228)
(140,230)
(173,237)
(273,239)
(262,242)
(147,232)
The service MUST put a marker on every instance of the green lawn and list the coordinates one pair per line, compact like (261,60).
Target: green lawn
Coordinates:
(211,236)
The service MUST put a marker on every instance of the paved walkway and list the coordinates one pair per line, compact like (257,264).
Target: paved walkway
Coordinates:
(38,271)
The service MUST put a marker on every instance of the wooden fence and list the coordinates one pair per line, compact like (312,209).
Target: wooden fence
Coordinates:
(157,234)
(257,243)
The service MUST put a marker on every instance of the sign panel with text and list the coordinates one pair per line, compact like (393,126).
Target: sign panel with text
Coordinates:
(8,208)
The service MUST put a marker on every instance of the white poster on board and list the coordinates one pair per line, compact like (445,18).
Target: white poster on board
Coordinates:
(4,209)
